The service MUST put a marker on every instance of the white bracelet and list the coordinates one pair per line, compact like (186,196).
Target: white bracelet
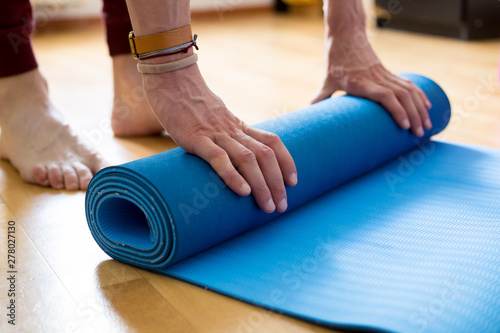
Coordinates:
(167,67)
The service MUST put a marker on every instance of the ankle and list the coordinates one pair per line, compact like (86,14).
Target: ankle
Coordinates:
(26,92)
(124,67)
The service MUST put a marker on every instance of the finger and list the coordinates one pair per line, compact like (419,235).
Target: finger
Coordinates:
(84,175)
(421,108)
(424,98)
(322,94)
(385,96)
(405,97)
(219,160)
(426,105)
(41,175)
(285,160)
(419,98)
(331,84)
(270,168)
(55,176)
(255,169)
(70,177)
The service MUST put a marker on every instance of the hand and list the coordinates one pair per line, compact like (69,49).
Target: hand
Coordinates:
(352,66)
(247,159)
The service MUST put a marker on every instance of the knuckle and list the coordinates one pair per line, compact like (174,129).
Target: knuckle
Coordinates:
(246,156)
(216,154)
(272,139)
(408,83)
(385,94)
(266,152)
(403,94)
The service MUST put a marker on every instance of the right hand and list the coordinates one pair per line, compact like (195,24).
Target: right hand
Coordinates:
(248,160)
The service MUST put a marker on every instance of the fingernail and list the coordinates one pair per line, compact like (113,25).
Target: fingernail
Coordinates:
(245,189)
(420,132)
(406,124)
(428,104)
(293,179)
(428,124)
(270,207)
(282,206)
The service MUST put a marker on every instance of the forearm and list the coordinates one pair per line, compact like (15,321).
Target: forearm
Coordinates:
(344,16)
(153,16)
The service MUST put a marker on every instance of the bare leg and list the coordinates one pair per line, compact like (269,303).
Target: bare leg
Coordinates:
(132,115)
(36,139)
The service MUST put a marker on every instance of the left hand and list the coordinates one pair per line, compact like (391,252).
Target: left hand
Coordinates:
(353,66)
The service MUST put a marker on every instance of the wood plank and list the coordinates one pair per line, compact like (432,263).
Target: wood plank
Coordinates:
(42,303)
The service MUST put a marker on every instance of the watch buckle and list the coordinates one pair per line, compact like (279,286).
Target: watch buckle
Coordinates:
(131,37)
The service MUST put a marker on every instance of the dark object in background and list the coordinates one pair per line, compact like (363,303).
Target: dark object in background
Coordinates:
(280,6)
(464,19)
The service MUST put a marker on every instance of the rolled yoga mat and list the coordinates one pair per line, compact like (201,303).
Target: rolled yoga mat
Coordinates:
(372,239)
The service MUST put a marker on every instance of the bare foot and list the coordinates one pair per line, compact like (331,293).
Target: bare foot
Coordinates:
(36,139)
(132,115)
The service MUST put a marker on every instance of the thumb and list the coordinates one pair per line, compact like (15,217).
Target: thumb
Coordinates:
(322,94)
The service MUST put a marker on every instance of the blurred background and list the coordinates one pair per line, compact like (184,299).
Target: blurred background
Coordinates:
(465,19)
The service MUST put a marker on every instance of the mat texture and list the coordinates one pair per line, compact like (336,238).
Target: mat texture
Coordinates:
(384,231)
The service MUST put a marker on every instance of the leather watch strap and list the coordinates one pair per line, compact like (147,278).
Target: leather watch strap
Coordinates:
(161,41)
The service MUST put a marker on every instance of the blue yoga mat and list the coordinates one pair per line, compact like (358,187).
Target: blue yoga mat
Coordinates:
(384,231)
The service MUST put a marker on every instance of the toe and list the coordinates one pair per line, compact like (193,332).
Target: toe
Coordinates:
(71,181)
(41,175)
(97,162)
(84,174)
(55,176)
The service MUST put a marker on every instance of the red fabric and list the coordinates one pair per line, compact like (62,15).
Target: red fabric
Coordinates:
(17,26)
(118,26)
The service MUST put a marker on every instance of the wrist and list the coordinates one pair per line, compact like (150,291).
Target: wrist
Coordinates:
(174,81)
(343,18)
(345,30)
(158,15)
(355,37)
(168,57)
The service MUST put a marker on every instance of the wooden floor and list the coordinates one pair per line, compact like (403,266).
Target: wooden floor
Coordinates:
(262,66)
